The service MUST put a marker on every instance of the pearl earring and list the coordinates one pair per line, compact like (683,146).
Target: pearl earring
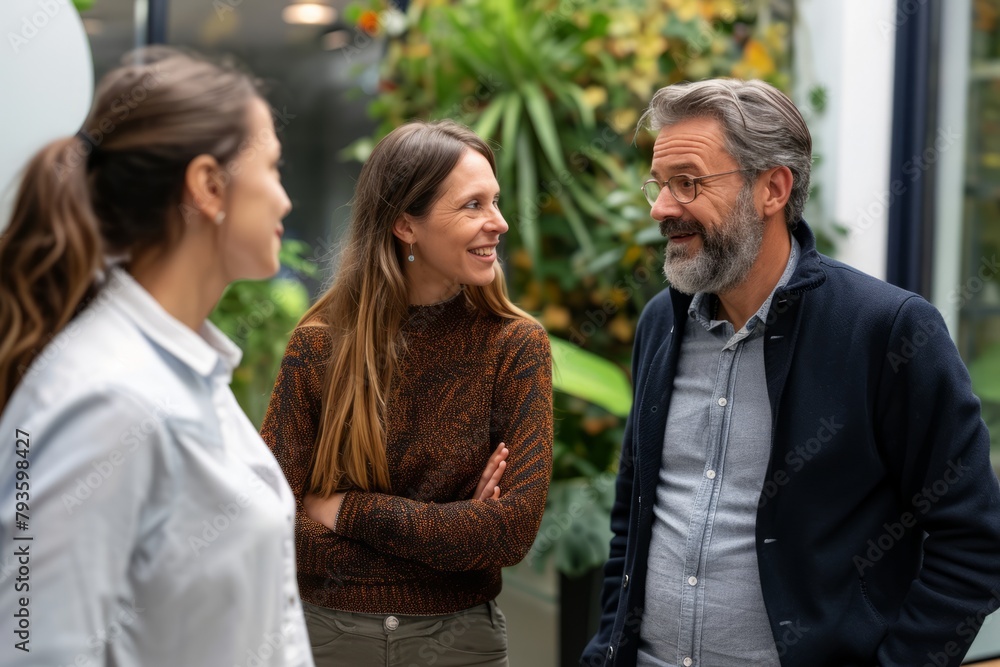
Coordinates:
(220,217)
(410,258)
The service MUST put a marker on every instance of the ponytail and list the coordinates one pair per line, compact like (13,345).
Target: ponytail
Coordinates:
(117,191)
(49,256)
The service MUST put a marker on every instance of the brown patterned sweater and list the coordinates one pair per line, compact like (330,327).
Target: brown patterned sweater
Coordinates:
(468,382)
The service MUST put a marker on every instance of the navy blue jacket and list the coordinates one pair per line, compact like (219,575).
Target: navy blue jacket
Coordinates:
(878,527)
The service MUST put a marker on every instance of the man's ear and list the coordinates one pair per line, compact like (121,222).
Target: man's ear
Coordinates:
(402,229)
(203,188)
(777,190)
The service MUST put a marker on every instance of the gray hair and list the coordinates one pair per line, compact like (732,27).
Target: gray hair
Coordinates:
(761,127)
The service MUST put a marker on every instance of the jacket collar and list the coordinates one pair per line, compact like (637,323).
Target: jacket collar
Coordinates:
(809,274)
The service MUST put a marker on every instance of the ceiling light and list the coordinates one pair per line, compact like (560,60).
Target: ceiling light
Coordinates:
(309,12)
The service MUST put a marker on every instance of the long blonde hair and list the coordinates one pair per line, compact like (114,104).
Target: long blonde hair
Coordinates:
(112,190)
(366,306)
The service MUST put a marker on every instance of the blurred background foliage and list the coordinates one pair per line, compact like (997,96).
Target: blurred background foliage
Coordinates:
(558,86)
(259,316)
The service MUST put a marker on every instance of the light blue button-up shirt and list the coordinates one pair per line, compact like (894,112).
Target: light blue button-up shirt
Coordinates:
(704,604)
(156,528)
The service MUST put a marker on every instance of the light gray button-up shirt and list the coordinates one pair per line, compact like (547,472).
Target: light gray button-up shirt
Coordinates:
(704,604)
(157,528)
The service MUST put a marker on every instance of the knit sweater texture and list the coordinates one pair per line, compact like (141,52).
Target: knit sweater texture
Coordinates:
(468,381)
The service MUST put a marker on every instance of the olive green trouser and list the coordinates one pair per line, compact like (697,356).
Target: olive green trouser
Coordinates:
(475,637)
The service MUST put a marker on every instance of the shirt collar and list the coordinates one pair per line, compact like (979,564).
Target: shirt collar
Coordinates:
(703,303)
(208,351)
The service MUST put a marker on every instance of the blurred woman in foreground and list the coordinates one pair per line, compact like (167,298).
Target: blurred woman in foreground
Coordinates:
(158,526)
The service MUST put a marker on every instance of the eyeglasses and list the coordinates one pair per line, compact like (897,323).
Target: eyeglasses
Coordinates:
(683,187)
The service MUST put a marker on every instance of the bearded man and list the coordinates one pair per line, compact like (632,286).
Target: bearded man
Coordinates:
(805,477)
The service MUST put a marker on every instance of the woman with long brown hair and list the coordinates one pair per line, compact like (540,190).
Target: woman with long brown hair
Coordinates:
(396,388)
(153,526)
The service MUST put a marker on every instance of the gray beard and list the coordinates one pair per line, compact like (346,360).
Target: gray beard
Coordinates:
(727,254)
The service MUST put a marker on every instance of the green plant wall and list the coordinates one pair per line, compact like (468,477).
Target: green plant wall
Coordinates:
(259,316)
(558,86)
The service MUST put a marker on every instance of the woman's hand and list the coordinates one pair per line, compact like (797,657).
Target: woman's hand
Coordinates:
(323,510)
(490,478)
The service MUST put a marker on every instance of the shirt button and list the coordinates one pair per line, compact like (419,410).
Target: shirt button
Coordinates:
(625,582)
(291,600)
(611,652)
(723,402)
(710,474)
(693,581)
(688,662)
(391,623)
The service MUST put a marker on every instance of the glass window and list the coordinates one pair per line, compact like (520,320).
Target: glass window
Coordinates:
(967,237)
(977,294)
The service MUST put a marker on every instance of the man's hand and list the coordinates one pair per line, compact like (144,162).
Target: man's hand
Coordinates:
(490,478)
(323,510)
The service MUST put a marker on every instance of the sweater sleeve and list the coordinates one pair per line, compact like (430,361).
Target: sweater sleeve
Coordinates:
(292,419)
(472,534)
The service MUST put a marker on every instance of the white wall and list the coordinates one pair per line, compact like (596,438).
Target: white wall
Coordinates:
(47,79)
(956,26)
(848,47)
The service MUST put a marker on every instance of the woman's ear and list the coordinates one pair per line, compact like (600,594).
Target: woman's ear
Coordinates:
(203,187)
(402,229)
